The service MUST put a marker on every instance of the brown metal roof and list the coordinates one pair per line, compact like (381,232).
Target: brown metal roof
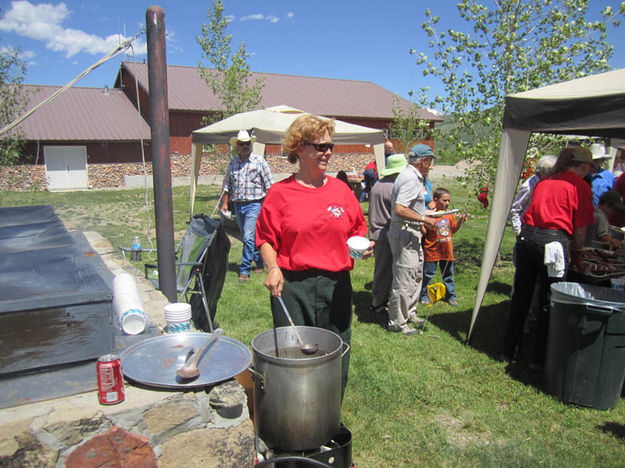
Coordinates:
(83,114)
(187,90)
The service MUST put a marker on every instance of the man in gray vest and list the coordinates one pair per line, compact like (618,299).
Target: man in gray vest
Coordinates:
(404,237)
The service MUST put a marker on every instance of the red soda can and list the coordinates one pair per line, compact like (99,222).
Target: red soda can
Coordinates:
(110,380)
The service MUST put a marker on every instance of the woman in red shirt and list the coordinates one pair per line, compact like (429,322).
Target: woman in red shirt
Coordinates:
(560,210)
(302,233)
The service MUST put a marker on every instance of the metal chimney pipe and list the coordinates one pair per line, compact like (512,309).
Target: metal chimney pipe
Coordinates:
(159,121)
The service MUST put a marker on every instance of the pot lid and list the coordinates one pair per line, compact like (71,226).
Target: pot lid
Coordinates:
(154,361)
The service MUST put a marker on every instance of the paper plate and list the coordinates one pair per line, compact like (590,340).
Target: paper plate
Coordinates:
(438,214)
(154,361)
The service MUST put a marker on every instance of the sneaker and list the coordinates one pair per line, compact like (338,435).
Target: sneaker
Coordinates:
(244,277)
(453,302)
(416,320)
(259,270)
(403,329)
(425,302)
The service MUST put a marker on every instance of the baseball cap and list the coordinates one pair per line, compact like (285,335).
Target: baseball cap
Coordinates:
(420,151)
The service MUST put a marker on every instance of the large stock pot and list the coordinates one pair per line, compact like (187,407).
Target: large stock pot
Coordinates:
(297,397)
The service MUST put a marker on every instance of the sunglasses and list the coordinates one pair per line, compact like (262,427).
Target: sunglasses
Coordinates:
(244,143)
(323,147)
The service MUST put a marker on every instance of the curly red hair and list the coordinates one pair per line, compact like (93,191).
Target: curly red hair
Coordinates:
(304,129)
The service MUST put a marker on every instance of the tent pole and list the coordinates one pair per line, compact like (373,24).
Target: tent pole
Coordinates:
(511,156)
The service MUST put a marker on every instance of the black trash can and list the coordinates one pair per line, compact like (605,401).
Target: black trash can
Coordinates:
(585,361)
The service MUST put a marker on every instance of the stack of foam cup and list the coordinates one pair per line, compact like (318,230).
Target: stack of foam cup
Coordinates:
(178,316)
(128,304)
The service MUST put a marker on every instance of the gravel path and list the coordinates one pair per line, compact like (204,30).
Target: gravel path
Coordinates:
(448,172)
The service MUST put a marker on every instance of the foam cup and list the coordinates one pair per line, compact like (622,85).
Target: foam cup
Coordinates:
(357,246)
(133,321)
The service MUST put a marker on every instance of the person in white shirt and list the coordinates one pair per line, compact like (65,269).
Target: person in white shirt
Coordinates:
(524,197)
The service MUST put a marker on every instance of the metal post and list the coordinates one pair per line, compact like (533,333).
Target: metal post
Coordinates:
(159,121)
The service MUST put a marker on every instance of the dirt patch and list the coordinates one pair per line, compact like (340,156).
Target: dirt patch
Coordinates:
(460,432)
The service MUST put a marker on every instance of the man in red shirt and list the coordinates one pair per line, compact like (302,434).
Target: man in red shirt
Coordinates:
(560,210)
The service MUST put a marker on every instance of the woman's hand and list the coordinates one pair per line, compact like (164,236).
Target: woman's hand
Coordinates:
(274,281)
(368,253)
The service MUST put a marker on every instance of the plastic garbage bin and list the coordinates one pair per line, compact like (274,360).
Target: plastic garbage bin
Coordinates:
(585,361)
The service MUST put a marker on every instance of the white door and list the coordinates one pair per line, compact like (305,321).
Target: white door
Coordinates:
(66,167)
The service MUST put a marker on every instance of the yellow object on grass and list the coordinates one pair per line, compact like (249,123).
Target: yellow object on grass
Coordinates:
(436,292)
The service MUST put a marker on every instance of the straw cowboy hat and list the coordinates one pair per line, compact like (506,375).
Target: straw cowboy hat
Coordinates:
(598,151)
(242,136)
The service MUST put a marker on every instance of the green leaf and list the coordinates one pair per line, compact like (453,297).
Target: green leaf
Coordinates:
(504,47)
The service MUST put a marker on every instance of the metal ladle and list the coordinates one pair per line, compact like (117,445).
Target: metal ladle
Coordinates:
(304,348)
(190,370)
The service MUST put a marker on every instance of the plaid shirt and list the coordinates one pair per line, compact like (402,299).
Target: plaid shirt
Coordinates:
(248,181)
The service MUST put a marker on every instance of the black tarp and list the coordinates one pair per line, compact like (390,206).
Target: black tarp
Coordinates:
(55,307)
(40,265)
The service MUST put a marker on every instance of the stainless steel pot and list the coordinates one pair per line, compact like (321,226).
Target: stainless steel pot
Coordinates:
(297,400)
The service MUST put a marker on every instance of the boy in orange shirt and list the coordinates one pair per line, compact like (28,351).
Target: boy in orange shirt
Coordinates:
(438,248)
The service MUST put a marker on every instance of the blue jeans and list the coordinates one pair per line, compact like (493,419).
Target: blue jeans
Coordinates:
(246,214)
(370,181)
(447,273)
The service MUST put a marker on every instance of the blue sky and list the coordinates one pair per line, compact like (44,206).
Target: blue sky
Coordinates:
(344,39)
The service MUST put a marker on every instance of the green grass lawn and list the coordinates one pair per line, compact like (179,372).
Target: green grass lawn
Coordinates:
(426,400)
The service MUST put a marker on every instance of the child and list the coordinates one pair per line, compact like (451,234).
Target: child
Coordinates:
(438,248)
(598,234)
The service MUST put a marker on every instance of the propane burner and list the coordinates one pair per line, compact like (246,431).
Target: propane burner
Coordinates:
(337,453)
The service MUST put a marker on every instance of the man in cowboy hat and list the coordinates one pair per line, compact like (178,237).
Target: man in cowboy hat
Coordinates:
(408,216)
(601,180)
(379,222)
(246,184)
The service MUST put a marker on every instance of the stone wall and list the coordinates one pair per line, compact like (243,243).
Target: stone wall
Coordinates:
(33,177)
(150,428)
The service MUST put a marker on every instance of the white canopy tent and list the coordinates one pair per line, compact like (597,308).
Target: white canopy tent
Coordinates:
(269,125)
(591,106)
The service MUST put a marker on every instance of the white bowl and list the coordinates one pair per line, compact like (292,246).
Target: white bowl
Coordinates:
(177,307)
(357,246)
